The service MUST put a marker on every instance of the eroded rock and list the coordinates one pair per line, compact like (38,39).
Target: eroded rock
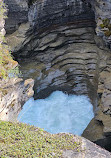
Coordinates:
(13,94)
(90,150)
(101,133)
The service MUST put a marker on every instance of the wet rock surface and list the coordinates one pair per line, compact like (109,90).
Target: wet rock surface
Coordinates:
(65,59)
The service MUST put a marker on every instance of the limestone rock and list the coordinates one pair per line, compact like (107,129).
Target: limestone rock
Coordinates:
(94,131)
(108,82)
(48,13)
(17,14)
(90,150)
(102,9)
(17,39)
(13,94)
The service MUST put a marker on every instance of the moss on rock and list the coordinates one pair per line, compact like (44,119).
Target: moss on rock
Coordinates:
(7,64)
(21,140)
(106,24)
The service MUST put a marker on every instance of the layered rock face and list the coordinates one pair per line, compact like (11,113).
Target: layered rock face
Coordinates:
(14,92)
(17,14)
(58,48)
(47,13)
(60,64)
(65,59)
(23,11)
(99,129)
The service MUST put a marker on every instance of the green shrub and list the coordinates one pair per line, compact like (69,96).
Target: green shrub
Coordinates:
(106,24)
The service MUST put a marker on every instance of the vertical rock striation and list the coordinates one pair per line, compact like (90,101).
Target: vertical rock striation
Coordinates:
(47,13)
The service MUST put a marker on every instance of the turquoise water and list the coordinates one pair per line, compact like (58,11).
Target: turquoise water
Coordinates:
(58,113)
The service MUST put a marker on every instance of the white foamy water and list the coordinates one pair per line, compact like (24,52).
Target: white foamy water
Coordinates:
(58,113)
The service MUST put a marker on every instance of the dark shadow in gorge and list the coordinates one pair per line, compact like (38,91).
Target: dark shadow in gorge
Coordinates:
(17,14)
(105,143)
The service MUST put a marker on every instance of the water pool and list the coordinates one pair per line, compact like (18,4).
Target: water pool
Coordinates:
(59,112)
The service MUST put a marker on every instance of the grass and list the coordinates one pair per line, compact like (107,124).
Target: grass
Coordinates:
(21,140)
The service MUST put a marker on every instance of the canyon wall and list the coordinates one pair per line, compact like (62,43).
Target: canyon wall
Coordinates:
(56,44)
(14,92)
